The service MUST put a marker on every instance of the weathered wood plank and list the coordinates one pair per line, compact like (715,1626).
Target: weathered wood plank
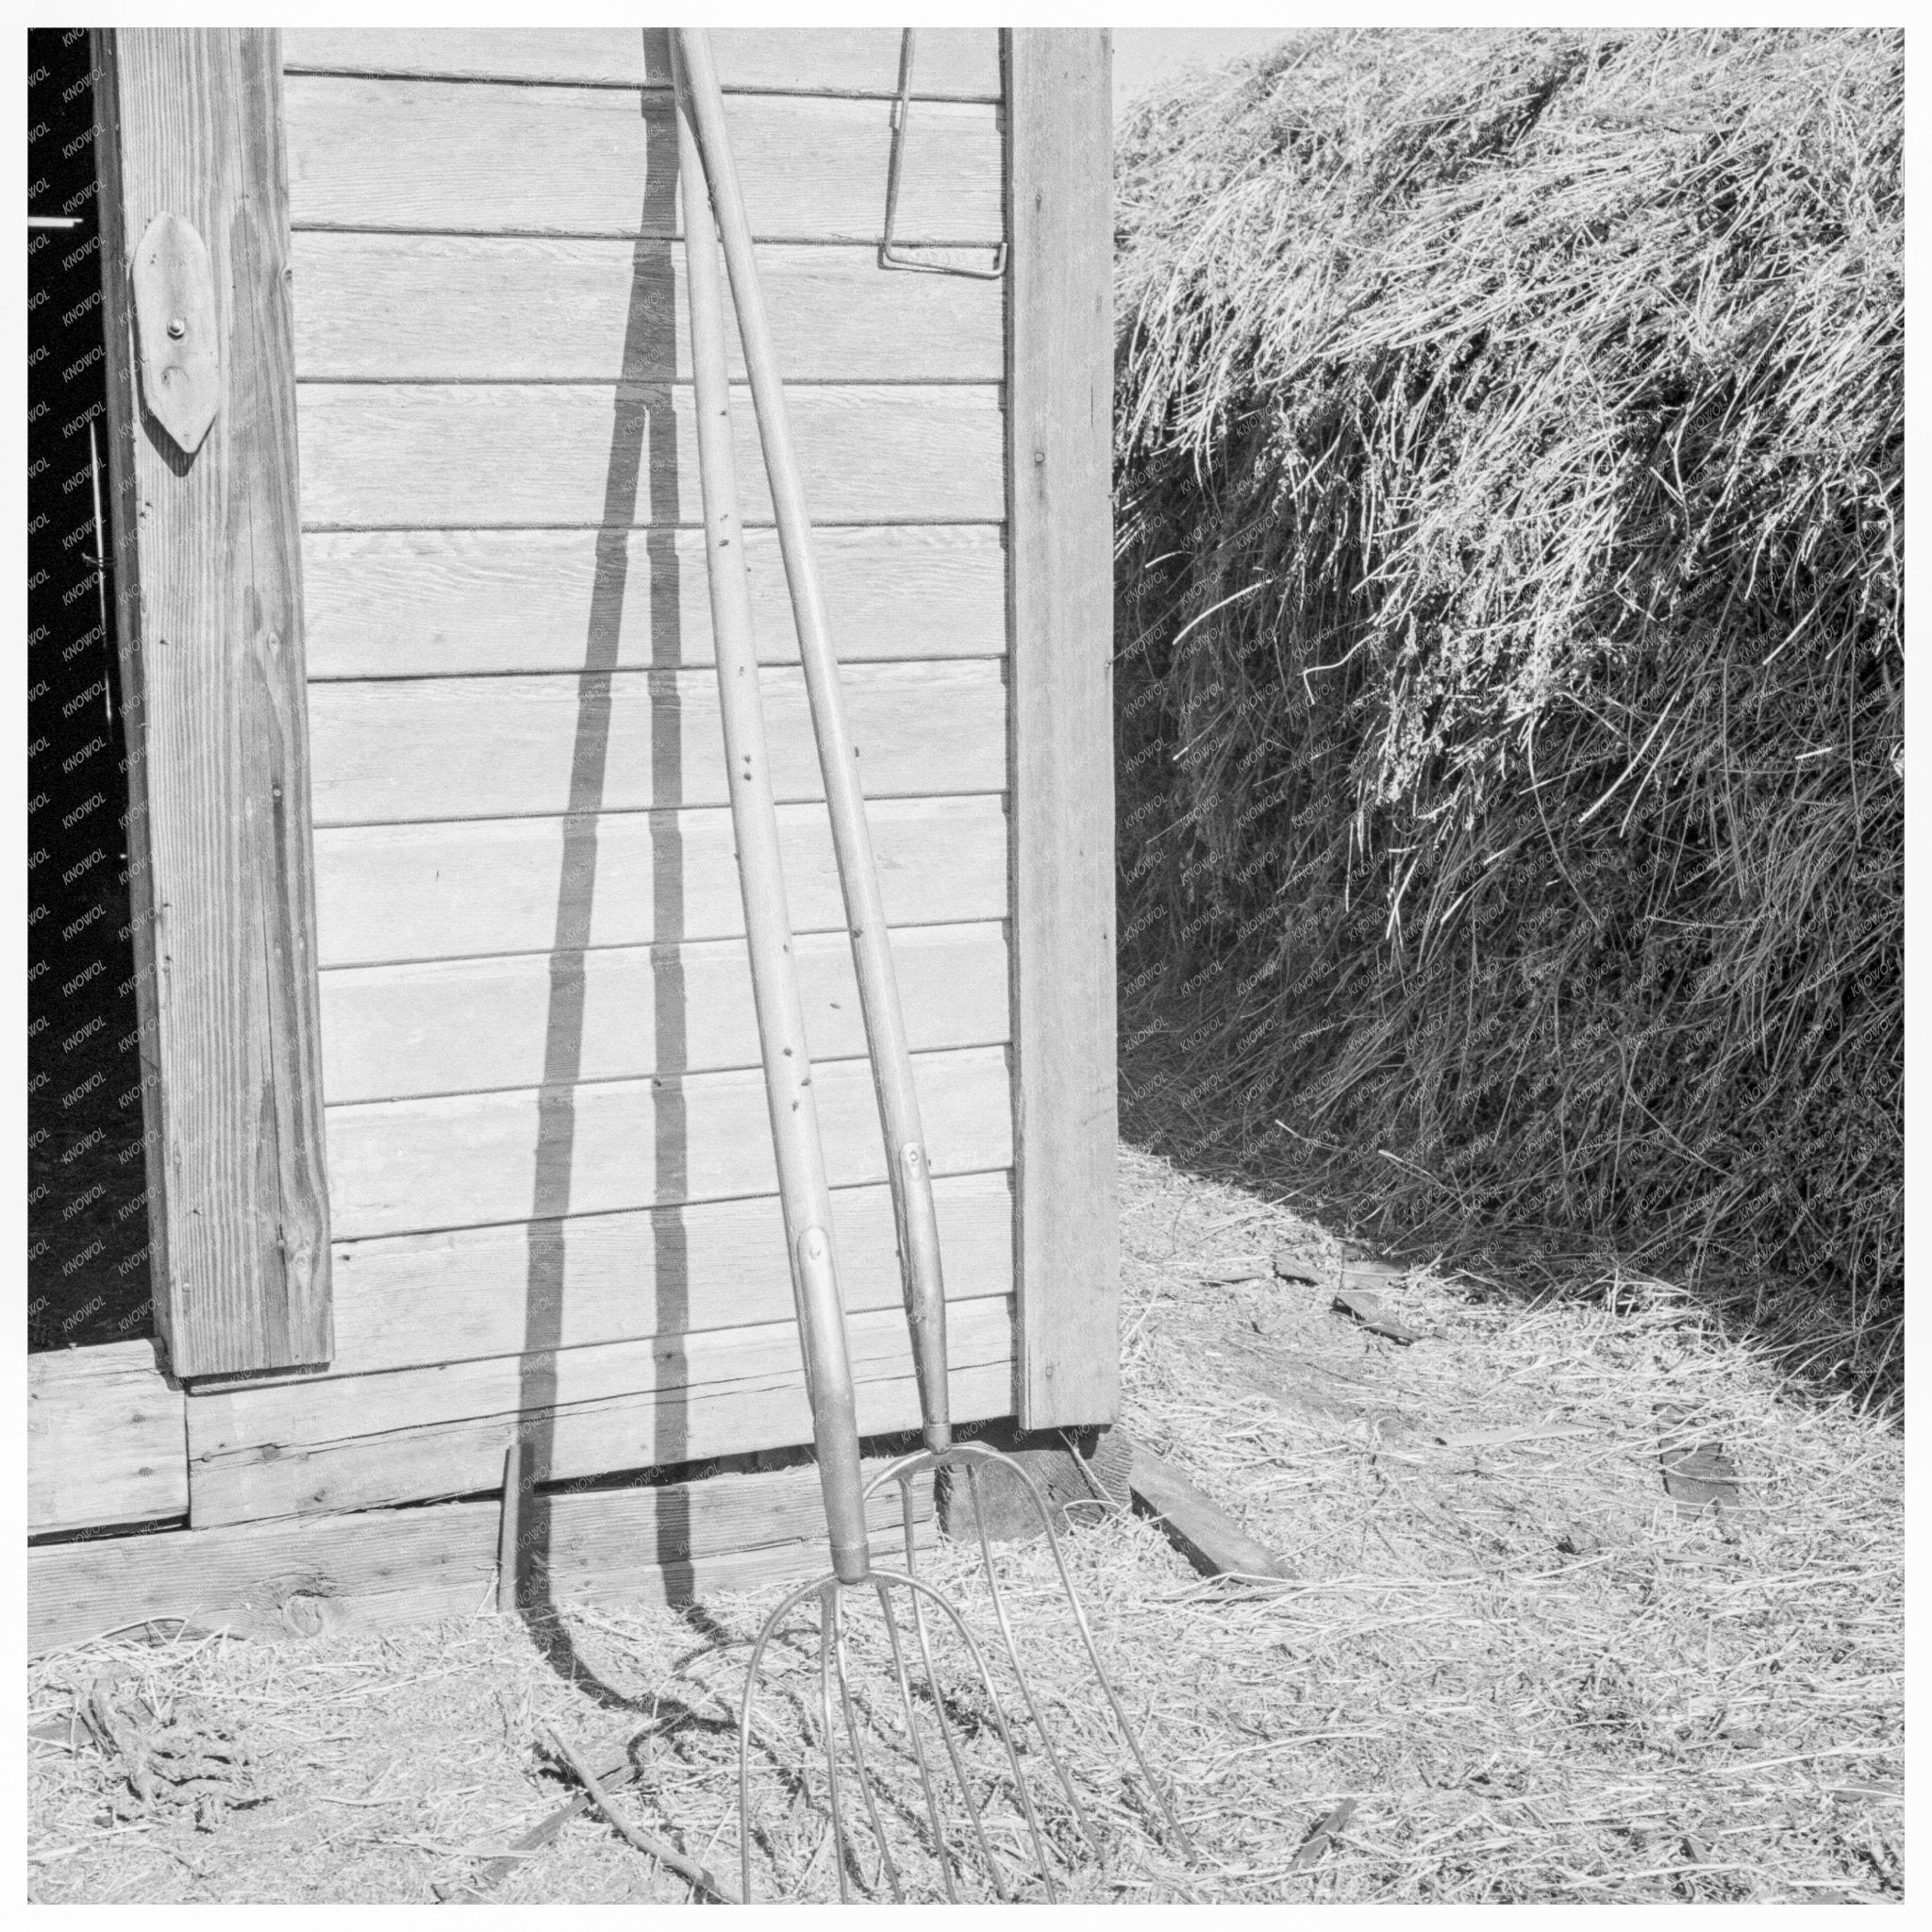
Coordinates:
(396,750)
(403,1166)
(416,455)
(1060,389)
(106,1441)
(383,1568)
(305,1447)
(446,603)
(462,1026)
(406,308)
(208,581)
(472,158)
(440,892)
(1195,1523)
(403,1300)
(951,63)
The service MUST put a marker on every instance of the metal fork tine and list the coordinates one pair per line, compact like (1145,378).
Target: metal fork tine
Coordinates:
(766,1632)
(888,1863)
(941,1849)
(1126,1730)
(1021,1787)
(827,1596)
(994,1869)
(999,1610)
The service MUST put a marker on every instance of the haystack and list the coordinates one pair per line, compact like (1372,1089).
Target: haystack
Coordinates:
(1510,467)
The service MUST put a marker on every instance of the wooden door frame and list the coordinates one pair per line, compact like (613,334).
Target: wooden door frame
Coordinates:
(1059,536)
(208,578)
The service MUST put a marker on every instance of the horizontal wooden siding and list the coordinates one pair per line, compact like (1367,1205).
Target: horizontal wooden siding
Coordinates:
(550,1167)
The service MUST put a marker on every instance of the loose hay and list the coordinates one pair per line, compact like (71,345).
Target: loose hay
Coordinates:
(1510,698)
(1532,1676)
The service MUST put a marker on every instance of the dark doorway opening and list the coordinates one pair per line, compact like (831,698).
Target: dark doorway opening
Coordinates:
(87,1218)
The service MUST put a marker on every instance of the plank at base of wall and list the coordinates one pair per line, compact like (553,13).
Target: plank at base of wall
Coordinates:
(106,1441)
(382,1568)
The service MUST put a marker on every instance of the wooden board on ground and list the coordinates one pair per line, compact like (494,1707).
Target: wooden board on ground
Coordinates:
(402,308)
(382,1568)
(469,1025)
(394,750)
(454,603)
(406,1166)
(1698,1472)
(106,1441)
(950,63)
(1197,1525)
(441,891)
(472,158)
(404,1299)
(304,1448)
(607,456)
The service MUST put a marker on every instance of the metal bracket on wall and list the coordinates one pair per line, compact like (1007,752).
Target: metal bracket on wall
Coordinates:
(889,257)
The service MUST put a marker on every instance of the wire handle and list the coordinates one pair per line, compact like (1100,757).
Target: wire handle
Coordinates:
(902,113)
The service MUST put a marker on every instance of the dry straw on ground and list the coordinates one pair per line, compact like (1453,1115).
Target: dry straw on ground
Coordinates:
(1533,1680)
(1512,676)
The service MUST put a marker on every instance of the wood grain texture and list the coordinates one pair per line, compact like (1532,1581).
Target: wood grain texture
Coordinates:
(123,484)
(380,1569)
(401,1166)
(443,891)
(467,1026)
(1195,1523)
(360,1442)
(953,63)
(106,1441)
(453,603)
(395,750)
(1060,393)
(415,455)
(403,1300)
(211,581)
(509,308)
(472,158)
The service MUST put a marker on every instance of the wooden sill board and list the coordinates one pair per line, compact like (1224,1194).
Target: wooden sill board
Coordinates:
(105,1439)
(385,1567)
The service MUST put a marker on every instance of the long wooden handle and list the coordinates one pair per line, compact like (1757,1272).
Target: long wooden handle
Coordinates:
(789,1094)
(906,1159)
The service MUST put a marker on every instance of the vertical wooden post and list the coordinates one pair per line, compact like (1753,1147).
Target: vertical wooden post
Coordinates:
(1059,400)
(207,572)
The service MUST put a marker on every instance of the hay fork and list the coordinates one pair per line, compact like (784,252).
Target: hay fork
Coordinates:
(707,164)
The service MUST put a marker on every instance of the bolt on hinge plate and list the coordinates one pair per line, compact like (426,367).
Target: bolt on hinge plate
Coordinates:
(179,330)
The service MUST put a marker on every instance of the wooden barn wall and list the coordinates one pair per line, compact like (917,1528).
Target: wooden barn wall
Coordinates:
(550,1176)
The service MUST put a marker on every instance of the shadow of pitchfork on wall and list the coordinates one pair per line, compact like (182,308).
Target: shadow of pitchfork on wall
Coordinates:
(643,456)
